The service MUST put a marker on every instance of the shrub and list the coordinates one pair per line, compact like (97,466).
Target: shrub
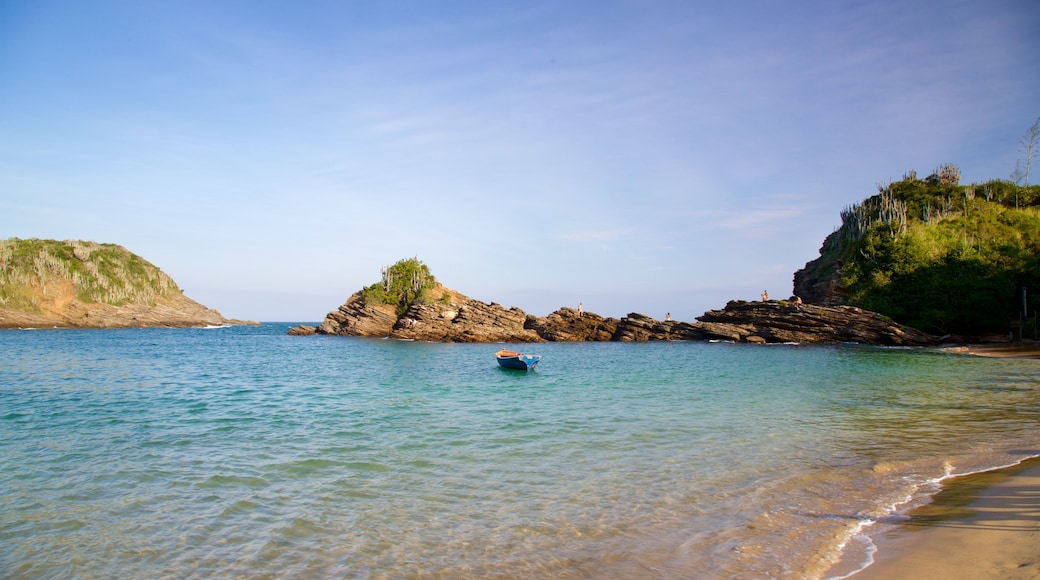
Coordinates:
(957,263)
(404,283)
(99,273)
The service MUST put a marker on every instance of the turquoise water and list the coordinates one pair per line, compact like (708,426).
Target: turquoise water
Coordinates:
(245,452)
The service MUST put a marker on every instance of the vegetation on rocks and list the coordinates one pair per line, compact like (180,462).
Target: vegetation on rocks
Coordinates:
(98,273)
(406,282)
(940,256)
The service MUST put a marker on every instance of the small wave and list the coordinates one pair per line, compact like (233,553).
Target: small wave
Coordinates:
(232,481)
(896,512)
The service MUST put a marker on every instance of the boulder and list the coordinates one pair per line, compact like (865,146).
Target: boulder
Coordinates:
(302,330)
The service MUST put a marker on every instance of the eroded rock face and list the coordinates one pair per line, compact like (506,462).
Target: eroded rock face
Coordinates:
(779,321)
(448,317)
(817,282)
(468,321)
(565,325)
(638,327)
(355,318)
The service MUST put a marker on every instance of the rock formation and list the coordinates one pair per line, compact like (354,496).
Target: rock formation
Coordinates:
(565,325)
(817,282)
(446,316)
(302,330)
(453,317)
(781,321)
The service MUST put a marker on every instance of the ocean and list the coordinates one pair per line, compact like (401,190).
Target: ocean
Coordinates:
(244,452)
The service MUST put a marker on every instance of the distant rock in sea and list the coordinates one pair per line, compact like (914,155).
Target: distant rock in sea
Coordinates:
(77,284)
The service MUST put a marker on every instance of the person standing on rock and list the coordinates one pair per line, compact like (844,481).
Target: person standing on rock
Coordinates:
(579,310)
(765,296)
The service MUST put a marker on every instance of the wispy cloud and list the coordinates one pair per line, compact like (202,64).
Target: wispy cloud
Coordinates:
(595,236)
(758,221)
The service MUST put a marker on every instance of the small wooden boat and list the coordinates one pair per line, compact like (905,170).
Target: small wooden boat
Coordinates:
(508,359)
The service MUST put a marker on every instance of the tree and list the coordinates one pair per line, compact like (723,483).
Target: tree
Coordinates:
(1031,149)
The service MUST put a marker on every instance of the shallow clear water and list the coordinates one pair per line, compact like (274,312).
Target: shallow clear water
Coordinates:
(245,452)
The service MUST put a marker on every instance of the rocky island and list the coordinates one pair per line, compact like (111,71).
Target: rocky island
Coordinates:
(77,284)
(423,309)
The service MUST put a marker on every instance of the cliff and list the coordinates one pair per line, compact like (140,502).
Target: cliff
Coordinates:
(77,284)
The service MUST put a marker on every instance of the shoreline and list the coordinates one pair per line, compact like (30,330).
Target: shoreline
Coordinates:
(980,525)
(1017,349)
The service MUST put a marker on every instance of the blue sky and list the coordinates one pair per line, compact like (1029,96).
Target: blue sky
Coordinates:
(634,156)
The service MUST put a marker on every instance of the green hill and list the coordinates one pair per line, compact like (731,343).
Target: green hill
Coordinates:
(936,255)
(34,271)
(48,283)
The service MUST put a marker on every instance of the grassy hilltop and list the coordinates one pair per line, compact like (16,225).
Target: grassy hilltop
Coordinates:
(34,272)
(936,255)
(86,284)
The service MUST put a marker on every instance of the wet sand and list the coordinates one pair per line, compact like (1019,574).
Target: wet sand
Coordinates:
(985,525)
(1018,349)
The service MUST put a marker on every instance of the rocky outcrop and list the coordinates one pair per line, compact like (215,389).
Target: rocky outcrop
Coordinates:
(638,327)
(446,316)
(781,321)
(302,330)
(467,320)
(356,318)
(456,318)
(566,325)
(817,282)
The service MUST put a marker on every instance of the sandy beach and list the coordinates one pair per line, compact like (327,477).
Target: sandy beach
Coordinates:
(985,525)
(1017,349)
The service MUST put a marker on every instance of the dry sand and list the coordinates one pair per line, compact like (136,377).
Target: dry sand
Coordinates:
(985,525)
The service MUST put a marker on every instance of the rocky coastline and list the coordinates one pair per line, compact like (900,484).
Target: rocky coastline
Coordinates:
(457,318)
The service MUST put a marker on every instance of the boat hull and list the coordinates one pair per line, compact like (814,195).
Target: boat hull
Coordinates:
(520,362)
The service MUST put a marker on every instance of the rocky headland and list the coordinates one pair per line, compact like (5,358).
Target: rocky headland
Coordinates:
(76,284)
(453,317)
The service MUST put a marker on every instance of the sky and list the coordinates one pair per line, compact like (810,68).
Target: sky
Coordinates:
(634,156)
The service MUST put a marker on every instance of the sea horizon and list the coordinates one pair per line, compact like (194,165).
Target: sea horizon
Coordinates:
(240,450)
